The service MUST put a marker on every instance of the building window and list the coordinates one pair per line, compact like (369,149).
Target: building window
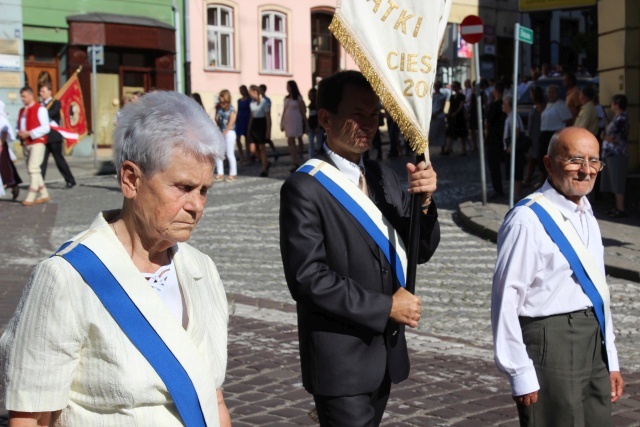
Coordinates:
(274,42)
(220,37)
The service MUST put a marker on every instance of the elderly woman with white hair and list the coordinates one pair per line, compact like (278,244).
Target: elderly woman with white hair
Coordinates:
(127,324)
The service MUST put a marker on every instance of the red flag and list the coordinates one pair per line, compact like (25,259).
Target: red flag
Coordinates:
(72,113)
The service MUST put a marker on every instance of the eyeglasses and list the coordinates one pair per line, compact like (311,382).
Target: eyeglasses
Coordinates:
(577,163)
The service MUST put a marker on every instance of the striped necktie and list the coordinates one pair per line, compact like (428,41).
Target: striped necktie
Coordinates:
(362,183)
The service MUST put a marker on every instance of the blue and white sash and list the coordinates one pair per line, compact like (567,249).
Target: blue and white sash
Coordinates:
(593,282)
(364,211)
(169,353)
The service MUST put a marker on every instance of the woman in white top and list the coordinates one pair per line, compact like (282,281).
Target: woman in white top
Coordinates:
(76,351)
(226,120)
(259,127)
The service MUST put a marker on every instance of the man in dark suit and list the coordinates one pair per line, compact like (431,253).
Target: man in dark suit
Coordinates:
(351,310)
(494,129)
(54,142)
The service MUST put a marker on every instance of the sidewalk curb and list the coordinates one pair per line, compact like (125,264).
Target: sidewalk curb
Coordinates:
(475,221)
(485,222)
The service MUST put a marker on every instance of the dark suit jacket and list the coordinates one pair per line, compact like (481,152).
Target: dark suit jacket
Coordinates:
(54,114)
(343,284)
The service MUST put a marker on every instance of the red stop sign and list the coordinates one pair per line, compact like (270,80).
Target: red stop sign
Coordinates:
(472,29)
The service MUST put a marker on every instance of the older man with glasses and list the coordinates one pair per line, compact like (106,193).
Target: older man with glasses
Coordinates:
(552,327)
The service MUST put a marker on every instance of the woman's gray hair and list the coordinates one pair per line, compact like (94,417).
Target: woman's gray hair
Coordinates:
(508,99)
(151,128)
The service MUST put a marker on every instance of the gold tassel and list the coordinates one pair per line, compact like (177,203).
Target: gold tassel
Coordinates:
(414,135)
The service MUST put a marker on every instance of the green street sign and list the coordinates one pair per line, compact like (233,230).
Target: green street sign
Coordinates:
(525,35)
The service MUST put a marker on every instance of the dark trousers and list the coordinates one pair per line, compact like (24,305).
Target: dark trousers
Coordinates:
(569,359)
(55,148)
(8,171)
(364,410)
(518,171)
(495,155)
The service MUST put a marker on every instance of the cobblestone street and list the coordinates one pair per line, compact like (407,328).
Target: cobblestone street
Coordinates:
(453,379)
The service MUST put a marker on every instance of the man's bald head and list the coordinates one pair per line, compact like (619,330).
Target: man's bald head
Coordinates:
(564,175)
(562,139)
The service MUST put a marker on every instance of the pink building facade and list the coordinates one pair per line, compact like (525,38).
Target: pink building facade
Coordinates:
(236,42)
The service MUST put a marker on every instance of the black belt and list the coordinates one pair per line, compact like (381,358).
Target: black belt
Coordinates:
(584,312)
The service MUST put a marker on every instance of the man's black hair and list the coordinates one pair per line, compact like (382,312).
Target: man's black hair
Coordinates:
(331,89)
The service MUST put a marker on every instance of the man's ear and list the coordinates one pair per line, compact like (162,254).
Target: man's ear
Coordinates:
(324,118)
(130,176)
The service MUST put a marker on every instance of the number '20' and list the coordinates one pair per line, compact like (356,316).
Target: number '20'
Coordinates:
(420,88)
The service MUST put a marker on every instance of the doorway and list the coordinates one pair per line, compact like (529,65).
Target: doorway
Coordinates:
(38,73)
(325,49)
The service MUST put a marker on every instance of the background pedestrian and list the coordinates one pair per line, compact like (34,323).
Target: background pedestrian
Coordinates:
(226,121)
(315,133)
(616,155)
(242,124)
(293,123)
(438,128)
(494,132)
(456,121)
(33,128)
(535,116)
(259,127)
(55,141)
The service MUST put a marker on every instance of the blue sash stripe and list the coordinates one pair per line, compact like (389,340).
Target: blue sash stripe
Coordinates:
(363,218)
(574,261)
(139,331)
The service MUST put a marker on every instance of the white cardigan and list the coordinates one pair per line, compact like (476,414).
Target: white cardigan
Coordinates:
(63,351)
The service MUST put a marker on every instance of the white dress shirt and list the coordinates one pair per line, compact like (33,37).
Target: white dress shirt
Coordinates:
(347,167)
(533,279)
